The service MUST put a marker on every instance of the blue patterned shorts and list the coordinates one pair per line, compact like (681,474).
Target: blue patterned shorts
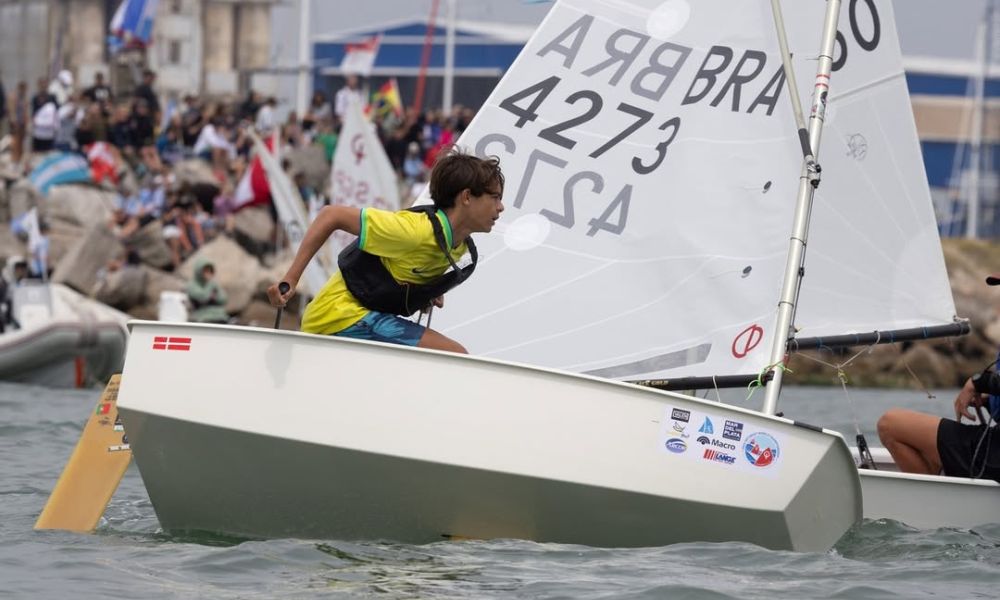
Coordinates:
(384,327)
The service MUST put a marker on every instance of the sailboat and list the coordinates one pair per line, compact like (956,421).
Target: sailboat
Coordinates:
(696,310)
(653,170)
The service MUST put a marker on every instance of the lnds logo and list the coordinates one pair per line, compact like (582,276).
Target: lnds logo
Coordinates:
(676,445)
(706,427)
(761,449)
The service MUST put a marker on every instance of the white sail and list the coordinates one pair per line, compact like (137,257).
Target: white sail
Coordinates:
(291,214)
(652,165)
(361,175)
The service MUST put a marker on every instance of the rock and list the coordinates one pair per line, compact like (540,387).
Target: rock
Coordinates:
(78,268)
(62,238)
(21,197)
(156,281)
(82,205)
(123,289)
(311,162)
(261,314)
(238,272)
(254,229)
(929,368)
(149,244)
(10,245)
(193,172)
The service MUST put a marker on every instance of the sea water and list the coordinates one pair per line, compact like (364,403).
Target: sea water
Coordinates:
(129,557)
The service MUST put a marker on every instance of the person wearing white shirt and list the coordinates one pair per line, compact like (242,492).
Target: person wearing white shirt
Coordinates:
(345,96)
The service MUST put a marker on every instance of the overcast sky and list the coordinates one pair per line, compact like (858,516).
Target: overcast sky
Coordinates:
(931,28)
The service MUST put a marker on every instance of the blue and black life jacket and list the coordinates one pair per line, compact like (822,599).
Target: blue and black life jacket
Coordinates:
(376,289)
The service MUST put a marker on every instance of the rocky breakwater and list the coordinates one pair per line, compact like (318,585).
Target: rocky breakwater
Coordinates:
(88,255)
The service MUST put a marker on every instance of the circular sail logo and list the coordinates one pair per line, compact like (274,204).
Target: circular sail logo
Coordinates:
(761,449)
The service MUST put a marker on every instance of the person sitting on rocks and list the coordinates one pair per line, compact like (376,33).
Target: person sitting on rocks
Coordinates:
(931,445)
(207,297)
(181,225)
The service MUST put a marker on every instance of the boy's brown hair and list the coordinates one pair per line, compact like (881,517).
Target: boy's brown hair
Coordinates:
(457,171)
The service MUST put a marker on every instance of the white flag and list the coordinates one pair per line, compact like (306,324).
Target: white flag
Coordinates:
(360,58)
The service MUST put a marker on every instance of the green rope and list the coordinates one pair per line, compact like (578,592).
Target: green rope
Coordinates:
(759,382)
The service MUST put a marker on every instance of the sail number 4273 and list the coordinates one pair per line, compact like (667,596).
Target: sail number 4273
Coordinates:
(532,97)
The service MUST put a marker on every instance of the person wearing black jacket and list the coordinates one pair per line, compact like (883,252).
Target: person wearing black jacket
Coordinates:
(928,444)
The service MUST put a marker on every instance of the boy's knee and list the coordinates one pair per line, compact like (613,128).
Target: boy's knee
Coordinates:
(888,423)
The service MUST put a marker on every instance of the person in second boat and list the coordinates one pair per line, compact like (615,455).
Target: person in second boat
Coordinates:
(402,262)
(928,444)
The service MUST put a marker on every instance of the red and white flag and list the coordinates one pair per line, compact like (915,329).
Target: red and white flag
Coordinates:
(360,58)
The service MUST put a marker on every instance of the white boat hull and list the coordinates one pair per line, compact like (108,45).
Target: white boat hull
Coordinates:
(927,501)
(74,341)
(261,433)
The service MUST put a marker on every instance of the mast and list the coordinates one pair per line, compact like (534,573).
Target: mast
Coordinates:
(305,42)
(449,60)
(808,182)
(972,184)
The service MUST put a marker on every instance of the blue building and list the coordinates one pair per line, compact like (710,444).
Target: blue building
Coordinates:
(483,53)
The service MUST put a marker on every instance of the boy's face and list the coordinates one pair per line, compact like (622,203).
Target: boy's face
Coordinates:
(485,209)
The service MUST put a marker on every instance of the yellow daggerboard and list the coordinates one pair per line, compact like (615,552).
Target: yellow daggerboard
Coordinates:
(93,471)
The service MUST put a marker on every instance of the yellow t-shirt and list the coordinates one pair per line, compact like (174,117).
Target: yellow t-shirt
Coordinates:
(405,242)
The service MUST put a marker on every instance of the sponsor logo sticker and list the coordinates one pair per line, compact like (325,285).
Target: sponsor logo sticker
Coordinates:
(676,445)
(761,449)
(733,430)
(707,427)
(679,414)
(717,456)
(725,445)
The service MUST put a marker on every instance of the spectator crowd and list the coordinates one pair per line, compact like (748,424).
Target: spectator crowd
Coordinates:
(185,167)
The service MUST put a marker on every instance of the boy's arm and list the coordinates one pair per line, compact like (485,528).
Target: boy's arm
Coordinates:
(329,219)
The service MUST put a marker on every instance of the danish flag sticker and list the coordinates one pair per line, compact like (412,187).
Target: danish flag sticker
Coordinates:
(162,342)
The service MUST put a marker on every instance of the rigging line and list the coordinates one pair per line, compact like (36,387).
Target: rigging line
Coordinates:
(857,90)
(757,383)
(917,379)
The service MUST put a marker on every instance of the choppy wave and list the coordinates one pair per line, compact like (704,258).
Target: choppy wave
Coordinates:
(130,557)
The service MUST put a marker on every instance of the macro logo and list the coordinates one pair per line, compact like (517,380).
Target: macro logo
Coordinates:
(679,414)
(703,440)
(706,427)
(725,445)
(717,456)
(761,449)
(676,445)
